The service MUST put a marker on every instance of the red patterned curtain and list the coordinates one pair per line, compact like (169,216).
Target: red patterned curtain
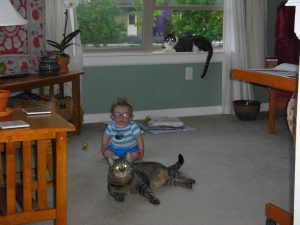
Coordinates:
(21,46)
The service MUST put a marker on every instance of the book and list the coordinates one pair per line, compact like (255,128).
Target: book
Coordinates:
(36,111)
(13,124)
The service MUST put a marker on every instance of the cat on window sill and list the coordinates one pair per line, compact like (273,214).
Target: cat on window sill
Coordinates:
(190,43)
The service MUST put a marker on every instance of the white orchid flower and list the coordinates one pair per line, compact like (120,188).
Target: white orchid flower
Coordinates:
(71,3)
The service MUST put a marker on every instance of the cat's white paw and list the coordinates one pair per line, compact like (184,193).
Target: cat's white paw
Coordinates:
(169,50)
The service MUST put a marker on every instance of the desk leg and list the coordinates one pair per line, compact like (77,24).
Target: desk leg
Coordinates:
(76,103)
(272,110)
(61,179)
(1,174)
(278,215)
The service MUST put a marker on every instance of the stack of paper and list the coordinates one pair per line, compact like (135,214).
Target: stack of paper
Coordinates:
(165,123)
(161,125)
(283,70)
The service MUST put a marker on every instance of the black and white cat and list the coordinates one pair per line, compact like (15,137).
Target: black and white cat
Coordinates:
(191,43)
(125,177)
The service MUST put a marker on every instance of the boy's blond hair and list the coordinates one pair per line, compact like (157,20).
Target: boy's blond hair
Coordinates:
(123,102)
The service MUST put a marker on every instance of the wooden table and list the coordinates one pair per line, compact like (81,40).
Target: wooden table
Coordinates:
(42,129)
(272,82)
(37,80)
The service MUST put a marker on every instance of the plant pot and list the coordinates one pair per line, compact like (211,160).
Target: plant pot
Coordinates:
(63,61)
(49,66)
(4,94)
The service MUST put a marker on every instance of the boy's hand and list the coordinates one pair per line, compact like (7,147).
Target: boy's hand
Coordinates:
(141,153)
(104,148)
(136,155)
(108,154)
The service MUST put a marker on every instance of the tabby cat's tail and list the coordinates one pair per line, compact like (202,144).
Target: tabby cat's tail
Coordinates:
(209,55)
(176,166)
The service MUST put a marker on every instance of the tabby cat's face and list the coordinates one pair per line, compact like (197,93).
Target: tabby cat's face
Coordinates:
(121,168)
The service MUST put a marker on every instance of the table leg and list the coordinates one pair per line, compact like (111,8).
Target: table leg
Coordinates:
(76,103)
(10,162)
(272,110)
(27,177)
(42,174)
(61,179)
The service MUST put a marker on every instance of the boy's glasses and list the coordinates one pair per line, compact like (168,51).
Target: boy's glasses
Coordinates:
(121,115)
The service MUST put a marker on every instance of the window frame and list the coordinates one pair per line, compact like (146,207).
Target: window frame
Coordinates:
(147,55)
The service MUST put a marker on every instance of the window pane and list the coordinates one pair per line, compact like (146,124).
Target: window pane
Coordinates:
(189,2)
(205,23)
(110,24)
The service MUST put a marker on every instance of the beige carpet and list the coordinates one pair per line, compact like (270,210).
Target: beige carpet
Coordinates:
(237,165)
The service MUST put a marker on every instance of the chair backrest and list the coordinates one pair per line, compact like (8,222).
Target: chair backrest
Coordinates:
(287,45)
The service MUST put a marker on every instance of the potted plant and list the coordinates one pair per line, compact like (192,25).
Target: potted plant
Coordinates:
(4,94)
(63,58)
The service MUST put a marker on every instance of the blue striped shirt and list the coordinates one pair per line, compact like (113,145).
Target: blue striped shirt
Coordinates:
(123,137)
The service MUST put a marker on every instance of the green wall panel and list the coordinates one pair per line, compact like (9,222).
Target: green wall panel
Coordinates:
(151,87)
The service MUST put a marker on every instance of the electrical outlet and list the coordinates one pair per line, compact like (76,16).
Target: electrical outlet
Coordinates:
(188,73)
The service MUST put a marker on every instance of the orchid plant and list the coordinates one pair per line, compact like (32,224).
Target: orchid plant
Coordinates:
(66,41)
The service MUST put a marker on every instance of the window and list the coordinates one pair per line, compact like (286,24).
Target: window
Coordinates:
(117,25)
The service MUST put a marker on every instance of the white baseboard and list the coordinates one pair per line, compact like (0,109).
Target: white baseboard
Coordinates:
(139,115)
(177,112)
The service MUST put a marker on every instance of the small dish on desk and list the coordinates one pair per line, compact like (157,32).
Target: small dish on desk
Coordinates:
(7,112)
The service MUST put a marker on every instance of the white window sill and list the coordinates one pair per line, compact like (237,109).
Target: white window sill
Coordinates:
(146,58)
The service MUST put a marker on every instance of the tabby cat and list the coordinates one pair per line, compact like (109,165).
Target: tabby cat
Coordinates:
(190,43)
(125,177)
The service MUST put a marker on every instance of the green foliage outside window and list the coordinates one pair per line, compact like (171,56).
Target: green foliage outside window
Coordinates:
(205,23)
(98,23)
(191,2)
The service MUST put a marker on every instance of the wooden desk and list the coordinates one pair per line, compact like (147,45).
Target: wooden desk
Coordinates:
(270,81)
(42,129)
(36,81)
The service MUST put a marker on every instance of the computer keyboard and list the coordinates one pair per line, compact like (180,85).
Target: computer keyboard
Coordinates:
(16,75)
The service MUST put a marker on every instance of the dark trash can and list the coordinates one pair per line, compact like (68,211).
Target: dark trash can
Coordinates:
(246,109)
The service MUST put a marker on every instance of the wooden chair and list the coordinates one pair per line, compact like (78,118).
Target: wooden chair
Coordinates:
(41,91)
(278,100)
(19,173)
